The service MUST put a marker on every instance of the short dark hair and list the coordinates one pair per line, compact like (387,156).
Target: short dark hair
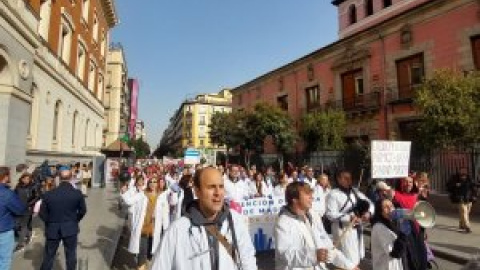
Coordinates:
(293,191)
(198,175)
(4,171)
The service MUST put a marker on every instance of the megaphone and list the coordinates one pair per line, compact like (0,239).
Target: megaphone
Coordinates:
(423,213)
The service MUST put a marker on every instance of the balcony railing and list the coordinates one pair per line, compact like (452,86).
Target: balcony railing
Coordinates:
(362,102)
(402,94)
(358,103)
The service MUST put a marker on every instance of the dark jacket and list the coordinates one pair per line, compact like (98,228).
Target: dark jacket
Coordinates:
(61,210)
(27,194)
(10,206)
(461,191)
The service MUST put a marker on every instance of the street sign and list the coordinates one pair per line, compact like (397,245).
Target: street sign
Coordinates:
(192,156)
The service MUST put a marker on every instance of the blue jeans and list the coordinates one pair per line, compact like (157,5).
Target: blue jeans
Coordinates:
(7,243)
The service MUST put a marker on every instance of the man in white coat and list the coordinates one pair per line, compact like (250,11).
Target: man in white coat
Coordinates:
(209,236)
(347,209)
(300,239)
(236,189)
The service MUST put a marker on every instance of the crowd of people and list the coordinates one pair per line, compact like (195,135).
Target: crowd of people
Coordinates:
(53,193)
(186,217)
(180,215)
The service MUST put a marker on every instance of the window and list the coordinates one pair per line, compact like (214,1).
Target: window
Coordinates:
(74,126)
(352,14)
(313,96)
(387,3)
(239,99)
(201,132)
(100,89)
(410,73)
(359,84)
(91,76)
(202,120)
(56,116)
(44,24)
(283,102)
(65,41)
(201,143)
(476,51)
(368,7)
(85,10)
(81,55)
(95,28)
(103,44)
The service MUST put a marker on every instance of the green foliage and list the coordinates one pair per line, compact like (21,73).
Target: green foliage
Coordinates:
(248,130)
(141,148)
(323,130)
(450,104)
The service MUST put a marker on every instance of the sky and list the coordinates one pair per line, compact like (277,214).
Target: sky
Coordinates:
(180,48)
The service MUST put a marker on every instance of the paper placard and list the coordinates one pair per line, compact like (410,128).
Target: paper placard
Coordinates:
(390,159)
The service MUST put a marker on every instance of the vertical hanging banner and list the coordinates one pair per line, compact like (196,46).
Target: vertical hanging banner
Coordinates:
(390,159)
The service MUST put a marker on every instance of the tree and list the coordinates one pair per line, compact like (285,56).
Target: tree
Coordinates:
(141,148)
(450,104)
(323,130)
(267,120)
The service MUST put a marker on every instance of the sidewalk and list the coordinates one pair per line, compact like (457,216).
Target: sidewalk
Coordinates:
(450,243)
(99,233)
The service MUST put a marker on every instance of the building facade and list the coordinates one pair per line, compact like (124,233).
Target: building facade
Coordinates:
(52,69)
(386,48)
(117,96)
(189,126)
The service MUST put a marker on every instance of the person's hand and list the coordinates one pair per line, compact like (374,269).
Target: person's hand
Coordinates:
(322,255)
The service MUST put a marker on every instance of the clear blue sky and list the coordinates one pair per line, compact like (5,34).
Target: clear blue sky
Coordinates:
(178,48)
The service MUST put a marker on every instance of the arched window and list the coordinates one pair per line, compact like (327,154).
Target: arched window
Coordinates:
(352,14)
(74,126)
(387,3)
(368,7)
(56,119)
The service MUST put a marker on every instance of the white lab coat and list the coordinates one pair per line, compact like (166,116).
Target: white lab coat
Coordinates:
(382,245)
(162,219)
(352,243)
(137,207)
(320,192)
(185,247)
(279,191)
(137,203)
(252,189)
(236,191)
(296,243)
(176,200)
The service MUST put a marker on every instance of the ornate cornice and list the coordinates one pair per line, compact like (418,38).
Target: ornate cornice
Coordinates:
(109,12)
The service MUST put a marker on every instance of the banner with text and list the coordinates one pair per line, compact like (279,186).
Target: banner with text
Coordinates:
(390,159)
(260,215)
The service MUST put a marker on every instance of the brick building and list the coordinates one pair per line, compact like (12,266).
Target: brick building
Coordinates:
(385,49)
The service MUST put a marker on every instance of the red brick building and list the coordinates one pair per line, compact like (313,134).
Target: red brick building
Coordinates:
(386,48)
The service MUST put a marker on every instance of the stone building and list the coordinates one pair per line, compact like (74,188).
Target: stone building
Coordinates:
(52,70)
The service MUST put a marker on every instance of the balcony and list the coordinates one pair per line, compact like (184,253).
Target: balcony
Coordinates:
(404,94)
(362,103)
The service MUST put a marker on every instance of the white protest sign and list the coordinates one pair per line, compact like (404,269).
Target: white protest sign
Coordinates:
(390,159)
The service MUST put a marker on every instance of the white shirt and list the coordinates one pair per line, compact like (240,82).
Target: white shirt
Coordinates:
(382,245)
(296,243)
(185,247)
(320,192)
(236,191)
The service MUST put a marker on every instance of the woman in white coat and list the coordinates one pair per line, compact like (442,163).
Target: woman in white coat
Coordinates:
(148,217)
(388,243)
(279,190)
(258,188)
